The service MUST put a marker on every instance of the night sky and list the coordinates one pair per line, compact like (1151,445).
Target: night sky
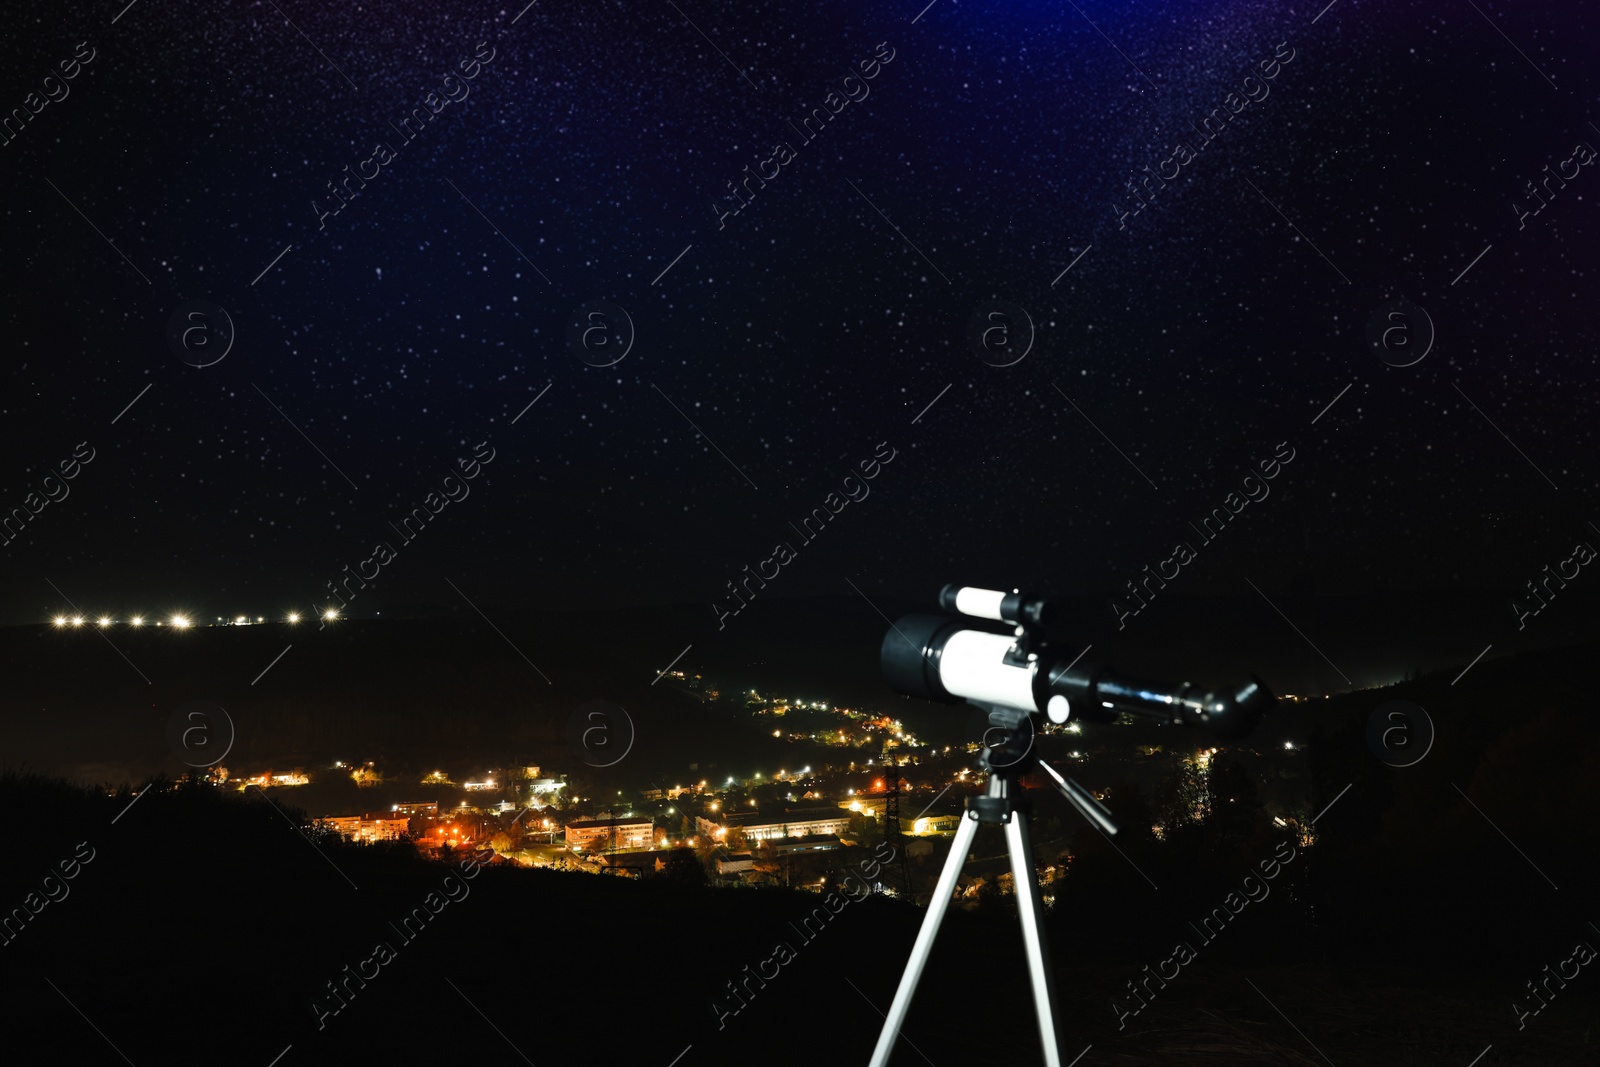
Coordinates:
(946,280)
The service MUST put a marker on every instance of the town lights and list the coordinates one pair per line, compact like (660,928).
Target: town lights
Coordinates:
(60,620)
(294,616)
(180,621)
(105,620)
(137,620)
(330,614)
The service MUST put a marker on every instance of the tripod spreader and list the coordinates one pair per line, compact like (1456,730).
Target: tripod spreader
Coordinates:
(1009,745)
(1087,803)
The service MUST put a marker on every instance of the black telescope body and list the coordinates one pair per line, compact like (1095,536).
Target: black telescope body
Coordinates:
(943,658)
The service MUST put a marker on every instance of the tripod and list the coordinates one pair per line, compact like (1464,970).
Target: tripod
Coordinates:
(1004,804)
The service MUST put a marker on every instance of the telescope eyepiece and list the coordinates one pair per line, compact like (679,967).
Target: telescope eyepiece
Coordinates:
(1234,713)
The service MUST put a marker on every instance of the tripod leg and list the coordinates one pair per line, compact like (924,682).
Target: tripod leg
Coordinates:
(1030,909)
(937,906)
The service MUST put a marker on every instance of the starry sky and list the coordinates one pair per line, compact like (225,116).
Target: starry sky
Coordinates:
(952,267)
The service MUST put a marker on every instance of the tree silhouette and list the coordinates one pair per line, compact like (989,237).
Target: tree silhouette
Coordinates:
(764,858)
(1132,813)
(1235,813)
(683,867)
(1182,798)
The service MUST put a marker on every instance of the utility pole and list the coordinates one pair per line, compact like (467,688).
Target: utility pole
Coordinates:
(892,834)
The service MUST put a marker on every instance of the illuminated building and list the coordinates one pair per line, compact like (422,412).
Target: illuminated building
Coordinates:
(945,820)
(937,823)
(631,864)
(263,781)
(385,827)
(631,832)
(735,863)
(429,807)
(791,822)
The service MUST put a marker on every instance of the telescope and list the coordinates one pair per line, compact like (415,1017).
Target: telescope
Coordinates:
(1021,679)
(939,657)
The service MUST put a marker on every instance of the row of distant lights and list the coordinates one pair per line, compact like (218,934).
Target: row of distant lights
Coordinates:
(180,622)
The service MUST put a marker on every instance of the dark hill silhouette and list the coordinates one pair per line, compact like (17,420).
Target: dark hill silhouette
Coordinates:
(453,685)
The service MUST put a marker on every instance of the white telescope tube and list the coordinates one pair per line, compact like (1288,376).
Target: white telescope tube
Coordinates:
(973,667)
